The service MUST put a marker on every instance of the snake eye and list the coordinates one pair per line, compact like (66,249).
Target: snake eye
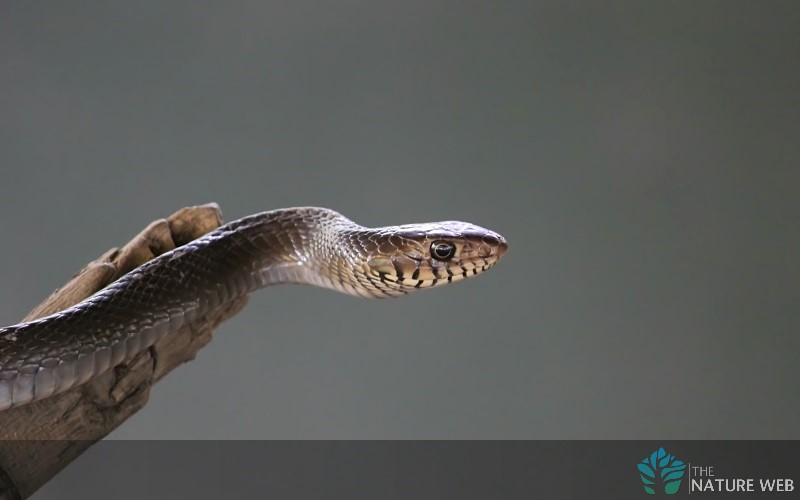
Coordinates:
(442,250)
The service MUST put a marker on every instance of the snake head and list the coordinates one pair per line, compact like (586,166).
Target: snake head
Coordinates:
(403,259)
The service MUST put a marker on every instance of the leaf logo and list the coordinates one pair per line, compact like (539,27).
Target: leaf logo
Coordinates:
(661,472)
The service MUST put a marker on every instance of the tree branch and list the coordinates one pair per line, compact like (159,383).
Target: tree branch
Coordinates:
(41,438)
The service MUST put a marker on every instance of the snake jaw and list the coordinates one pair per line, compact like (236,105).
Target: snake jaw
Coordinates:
(381,264)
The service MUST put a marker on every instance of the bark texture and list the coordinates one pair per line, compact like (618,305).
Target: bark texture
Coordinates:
(41,438)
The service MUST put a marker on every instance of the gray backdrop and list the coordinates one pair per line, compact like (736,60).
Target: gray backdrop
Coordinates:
(641,158)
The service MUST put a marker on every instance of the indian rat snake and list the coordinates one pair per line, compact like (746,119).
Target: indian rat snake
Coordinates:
(310,245)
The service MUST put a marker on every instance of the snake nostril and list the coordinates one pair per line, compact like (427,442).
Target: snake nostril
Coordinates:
(501,248)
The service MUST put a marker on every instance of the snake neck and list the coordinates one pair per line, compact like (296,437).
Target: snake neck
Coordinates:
(301,246)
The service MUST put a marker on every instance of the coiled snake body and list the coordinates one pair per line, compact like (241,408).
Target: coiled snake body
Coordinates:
(307,245)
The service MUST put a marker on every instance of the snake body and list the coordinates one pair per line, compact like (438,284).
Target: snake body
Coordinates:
(308,245)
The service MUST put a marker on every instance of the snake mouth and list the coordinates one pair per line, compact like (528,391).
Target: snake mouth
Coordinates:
(393,283)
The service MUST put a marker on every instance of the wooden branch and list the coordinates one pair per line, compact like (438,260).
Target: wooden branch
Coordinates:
(41,438)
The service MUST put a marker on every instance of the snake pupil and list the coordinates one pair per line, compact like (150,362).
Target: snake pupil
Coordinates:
(442,250)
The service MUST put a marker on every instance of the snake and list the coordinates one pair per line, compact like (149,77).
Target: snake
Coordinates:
(302,245)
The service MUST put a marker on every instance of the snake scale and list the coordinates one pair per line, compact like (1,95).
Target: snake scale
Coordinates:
(309,245)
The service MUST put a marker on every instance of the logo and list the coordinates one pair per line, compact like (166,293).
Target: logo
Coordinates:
(661,472)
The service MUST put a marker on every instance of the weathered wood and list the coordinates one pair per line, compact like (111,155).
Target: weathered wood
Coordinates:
(41,438)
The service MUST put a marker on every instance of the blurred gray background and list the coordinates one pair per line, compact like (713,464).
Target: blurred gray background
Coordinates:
(640,157)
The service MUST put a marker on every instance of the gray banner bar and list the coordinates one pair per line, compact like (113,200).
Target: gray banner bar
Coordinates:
(431,470)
